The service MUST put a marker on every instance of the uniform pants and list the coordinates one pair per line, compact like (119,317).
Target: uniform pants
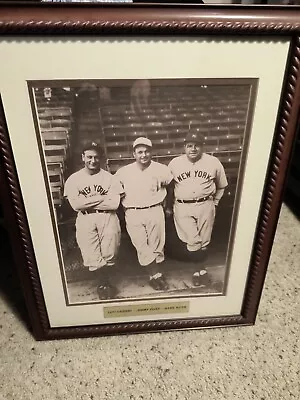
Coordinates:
(146,229)
(194,223)
(98,237)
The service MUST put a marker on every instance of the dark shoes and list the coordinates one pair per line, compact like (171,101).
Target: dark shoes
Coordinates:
(106,292)
(201,278)
(158,283)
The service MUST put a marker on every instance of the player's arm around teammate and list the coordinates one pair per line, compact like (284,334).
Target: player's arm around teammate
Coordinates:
(95,195)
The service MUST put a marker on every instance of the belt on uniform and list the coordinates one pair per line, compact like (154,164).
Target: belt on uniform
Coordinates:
(194,201)
(143,208)
(97,212)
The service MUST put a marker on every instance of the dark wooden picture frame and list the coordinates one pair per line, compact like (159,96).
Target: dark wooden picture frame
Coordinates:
(46,21)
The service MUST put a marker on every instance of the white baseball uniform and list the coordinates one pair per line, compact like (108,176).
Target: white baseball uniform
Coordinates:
(97,225)
(196,185)
(145,190)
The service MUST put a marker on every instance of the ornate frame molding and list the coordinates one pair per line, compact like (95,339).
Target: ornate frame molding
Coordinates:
(149,19)
(55,19)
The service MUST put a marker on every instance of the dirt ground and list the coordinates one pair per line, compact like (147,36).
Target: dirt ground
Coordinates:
(131,279)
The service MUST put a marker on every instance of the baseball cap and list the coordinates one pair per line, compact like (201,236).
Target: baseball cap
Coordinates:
(142,141)
(194,137)
(92,146)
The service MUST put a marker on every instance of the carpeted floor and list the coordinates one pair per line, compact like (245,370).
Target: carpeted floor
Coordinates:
(260,362)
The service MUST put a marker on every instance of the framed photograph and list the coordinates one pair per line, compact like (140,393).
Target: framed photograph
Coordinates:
(144,150)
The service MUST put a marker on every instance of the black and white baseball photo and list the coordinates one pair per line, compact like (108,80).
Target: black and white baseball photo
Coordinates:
(144,178)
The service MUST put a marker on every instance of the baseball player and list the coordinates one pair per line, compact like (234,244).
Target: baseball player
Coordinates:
(95,194)
(144,183)
(199,183)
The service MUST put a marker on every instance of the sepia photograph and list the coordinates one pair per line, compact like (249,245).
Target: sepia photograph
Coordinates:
(143,178)
(145,197)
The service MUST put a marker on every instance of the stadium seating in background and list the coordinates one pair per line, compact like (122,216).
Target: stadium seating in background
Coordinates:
(55,119)
(69,119)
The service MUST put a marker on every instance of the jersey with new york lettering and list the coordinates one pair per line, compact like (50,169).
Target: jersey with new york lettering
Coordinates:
(199,179)
(81,186)
(144,188)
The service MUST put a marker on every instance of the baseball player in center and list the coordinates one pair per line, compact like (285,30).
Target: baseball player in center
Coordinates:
(144,183)
(199,183)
